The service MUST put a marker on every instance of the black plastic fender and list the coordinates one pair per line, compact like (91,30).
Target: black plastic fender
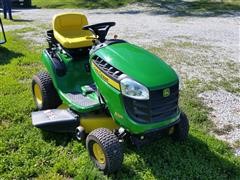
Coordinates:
(59,66)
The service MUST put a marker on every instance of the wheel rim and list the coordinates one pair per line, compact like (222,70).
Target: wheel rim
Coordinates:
(98,153)
(38,94)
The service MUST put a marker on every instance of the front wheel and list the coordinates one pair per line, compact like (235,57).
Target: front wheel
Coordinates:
(105,150)
(181,129)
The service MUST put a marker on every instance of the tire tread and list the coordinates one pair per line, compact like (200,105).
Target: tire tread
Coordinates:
(111,146)
(49,94)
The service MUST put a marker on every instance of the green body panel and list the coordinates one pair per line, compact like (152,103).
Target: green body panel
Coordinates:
(73,81)
(139,64)
(116,107)
(134,61)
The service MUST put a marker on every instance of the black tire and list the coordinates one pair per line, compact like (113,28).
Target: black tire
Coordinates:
(111,148)
(181,129)
(49,95)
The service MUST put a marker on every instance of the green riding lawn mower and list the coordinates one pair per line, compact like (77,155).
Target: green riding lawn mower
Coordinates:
(2,34)
(106,91)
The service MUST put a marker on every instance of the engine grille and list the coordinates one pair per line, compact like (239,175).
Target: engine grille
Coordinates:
(107,68)
(156,109)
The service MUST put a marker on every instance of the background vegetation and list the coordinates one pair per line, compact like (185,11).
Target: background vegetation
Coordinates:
(81,3)
(195,5)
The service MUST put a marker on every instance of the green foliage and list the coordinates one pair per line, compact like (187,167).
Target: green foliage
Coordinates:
(81,3)
(27,152)
(169,6)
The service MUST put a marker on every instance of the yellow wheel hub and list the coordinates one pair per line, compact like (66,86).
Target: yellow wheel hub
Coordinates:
(98,153)
(38,94)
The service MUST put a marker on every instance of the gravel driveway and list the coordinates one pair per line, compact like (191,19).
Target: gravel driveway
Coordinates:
(209,47)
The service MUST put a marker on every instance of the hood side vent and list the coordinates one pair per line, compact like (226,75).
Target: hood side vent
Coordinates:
(108,69)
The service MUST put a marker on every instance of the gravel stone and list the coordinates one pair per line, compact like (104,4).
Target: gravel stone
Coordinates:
(13,27)
(237,152)
(138,24)
(225,113)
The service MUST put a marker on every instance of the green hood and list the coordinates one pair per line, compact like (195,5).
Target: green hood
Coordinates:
(139,64)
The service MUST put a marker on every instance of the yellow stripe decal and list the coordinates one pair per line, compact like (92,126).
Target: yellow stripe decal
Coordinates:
(106,78)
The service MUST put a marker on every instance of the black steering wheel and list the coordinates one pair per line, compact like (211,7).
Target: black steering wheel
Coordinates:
(100,29)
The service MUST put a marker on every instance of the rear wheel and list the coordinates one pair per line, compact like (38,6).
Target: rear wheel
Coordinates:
(105,150)
(181,129)
(44,93)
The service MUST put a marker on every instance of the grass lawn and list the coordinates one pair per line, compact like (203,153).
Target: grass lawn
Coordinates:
(81,3)
(27,152)
(195,6)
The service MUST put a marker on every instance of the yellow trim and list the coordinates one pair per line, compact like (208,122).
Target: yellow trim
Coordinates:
(62,106)
(38,94)
(106,78)
(93,121)
(98,153)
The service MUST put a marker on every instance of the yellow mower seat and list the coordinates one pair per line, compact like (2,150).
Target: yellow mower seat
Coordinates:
(67,29)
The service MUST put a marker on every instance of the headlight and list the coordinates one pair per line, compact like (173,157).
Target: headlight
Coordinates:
(133,89)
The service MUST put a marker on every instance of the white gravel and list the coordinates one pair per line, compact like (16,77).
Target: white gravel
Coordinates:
(13,27)
(225,113)
(137,24)
(213,56)
(215,39)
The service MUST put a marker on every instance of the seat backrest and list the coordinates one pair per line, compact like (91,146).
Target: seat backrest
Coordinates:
(69,21)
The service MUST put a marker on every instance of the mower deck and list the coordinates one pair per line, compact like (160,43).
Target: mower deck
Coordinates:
(55,120)
(64,120)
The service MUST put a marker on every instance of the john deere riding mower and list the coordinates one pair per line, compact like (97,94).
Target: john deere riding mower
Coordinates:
(2,33)
(106,90)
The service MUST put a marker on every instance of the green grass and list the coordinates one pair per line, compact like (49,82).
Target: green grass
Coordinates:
(201,5)
(27,152)
(81,3)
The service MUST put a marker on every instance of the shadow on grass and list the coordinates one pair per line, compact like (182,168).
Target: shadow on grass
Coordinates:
(194,8)
(180,8)
(93,4)
(6,55)
(22,20)
(165,159)
(59,139)
(130,12)
(52,6)
(198,8)
(193,159)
